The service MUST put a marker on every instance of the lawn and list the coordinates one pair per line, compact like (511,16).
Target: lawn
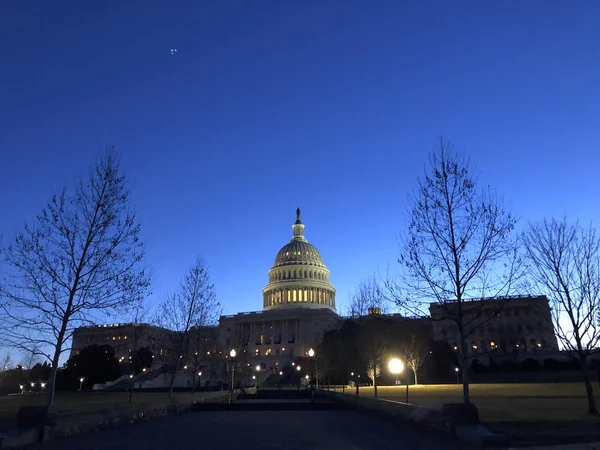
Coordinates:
(543,412)
(89,404)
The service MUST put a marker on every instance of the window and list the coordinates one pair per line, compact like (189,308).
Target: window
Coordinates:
(262,339)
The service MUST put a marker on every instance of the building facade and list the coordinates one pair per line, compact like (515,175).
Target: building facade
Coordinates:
(503,325)
(298,308)
(125,338)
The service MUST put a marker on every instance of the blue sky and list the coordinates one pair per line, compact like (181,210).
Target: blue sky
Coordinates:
(270,105)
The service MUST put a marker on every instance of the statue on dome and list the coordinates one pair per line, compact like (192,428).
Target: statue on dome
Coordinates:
(298,214)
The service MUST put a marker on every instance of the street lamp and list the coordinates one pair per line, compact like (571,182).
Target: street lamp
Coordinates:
(43,385)
(21,387)
(280,372)
(32,384)
(298,368)
(232,353)
(457,370)
(396,367)
(311,353)
(81,383)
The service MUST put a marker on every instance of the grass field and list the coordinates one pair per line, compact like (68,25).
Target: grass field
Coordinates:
(546,412)
(86,404)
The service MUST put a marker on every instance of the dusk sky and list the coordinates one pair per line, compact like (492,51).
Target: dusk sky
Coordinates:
(266,106)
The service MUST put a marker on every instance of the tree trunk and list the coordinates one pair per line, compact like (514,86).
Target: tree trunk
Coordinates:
(177,361)
(588,387)
(415,374)
(465,370)
(57,352)
(375,380)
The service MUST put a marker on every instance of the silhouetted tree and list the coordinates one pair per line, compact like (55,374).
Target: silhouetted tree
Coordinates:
(142,359)
(457,248)
(565,263)
(6,362)
(414,354)
(369,295)
(95,363)
(194,304)
(80,259)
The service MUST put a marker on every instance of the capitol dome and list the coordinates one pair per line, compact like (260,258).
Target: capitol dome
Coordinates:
(298,278)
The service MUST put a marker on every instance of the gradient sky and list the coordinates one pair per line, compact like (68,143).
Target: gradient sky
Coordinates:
(269,105)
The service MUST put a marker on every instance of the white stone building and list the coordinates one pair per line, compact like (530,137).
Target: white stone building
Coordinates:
(298,308)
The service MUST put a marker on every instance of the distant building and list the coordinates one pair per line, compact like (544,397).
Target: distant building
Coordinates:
(504,325)
(124,338)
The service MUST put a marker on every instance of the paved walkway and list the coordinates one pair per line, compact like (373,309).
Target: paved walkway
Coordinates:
(259,430)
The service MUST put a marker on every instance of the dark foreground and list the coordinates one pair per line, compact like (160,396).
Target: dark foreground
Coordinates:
(248,430)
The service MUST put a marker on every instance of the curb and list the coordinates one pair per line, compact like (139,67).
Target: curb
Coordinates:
(18,437)
(424,418)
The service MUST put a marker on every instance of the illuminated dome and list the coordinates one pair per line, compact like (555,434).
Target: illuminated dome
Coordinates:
(298,279)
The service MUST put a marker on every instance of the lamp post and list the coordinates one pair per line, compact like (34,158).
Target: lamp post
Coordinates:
(457,370)
(311,353)
(232,353)
(81,383)
(22,387)
(396,367)
(257,376)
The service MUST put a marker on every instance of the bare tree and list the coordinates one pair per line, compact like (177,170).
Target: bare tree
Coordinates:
(373,343)
(6,362)
(414,355)
(457,248)
(369,295)
(565,263)
(31,357)
(81,259)
(194,304)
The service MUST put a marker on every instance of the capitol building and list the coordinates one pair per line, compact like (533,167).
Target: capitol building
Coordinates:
(298,307)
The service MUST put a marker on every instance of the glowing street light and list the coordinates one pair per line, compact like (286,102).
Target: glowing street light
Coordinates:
(457,370)
(232,353)
(311,353)
(395,366)
(43,385)
(81,383)
(32,384)
(298,368)
(306,376)
(199,374)
(254,377)
(21,387)
(280,373)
